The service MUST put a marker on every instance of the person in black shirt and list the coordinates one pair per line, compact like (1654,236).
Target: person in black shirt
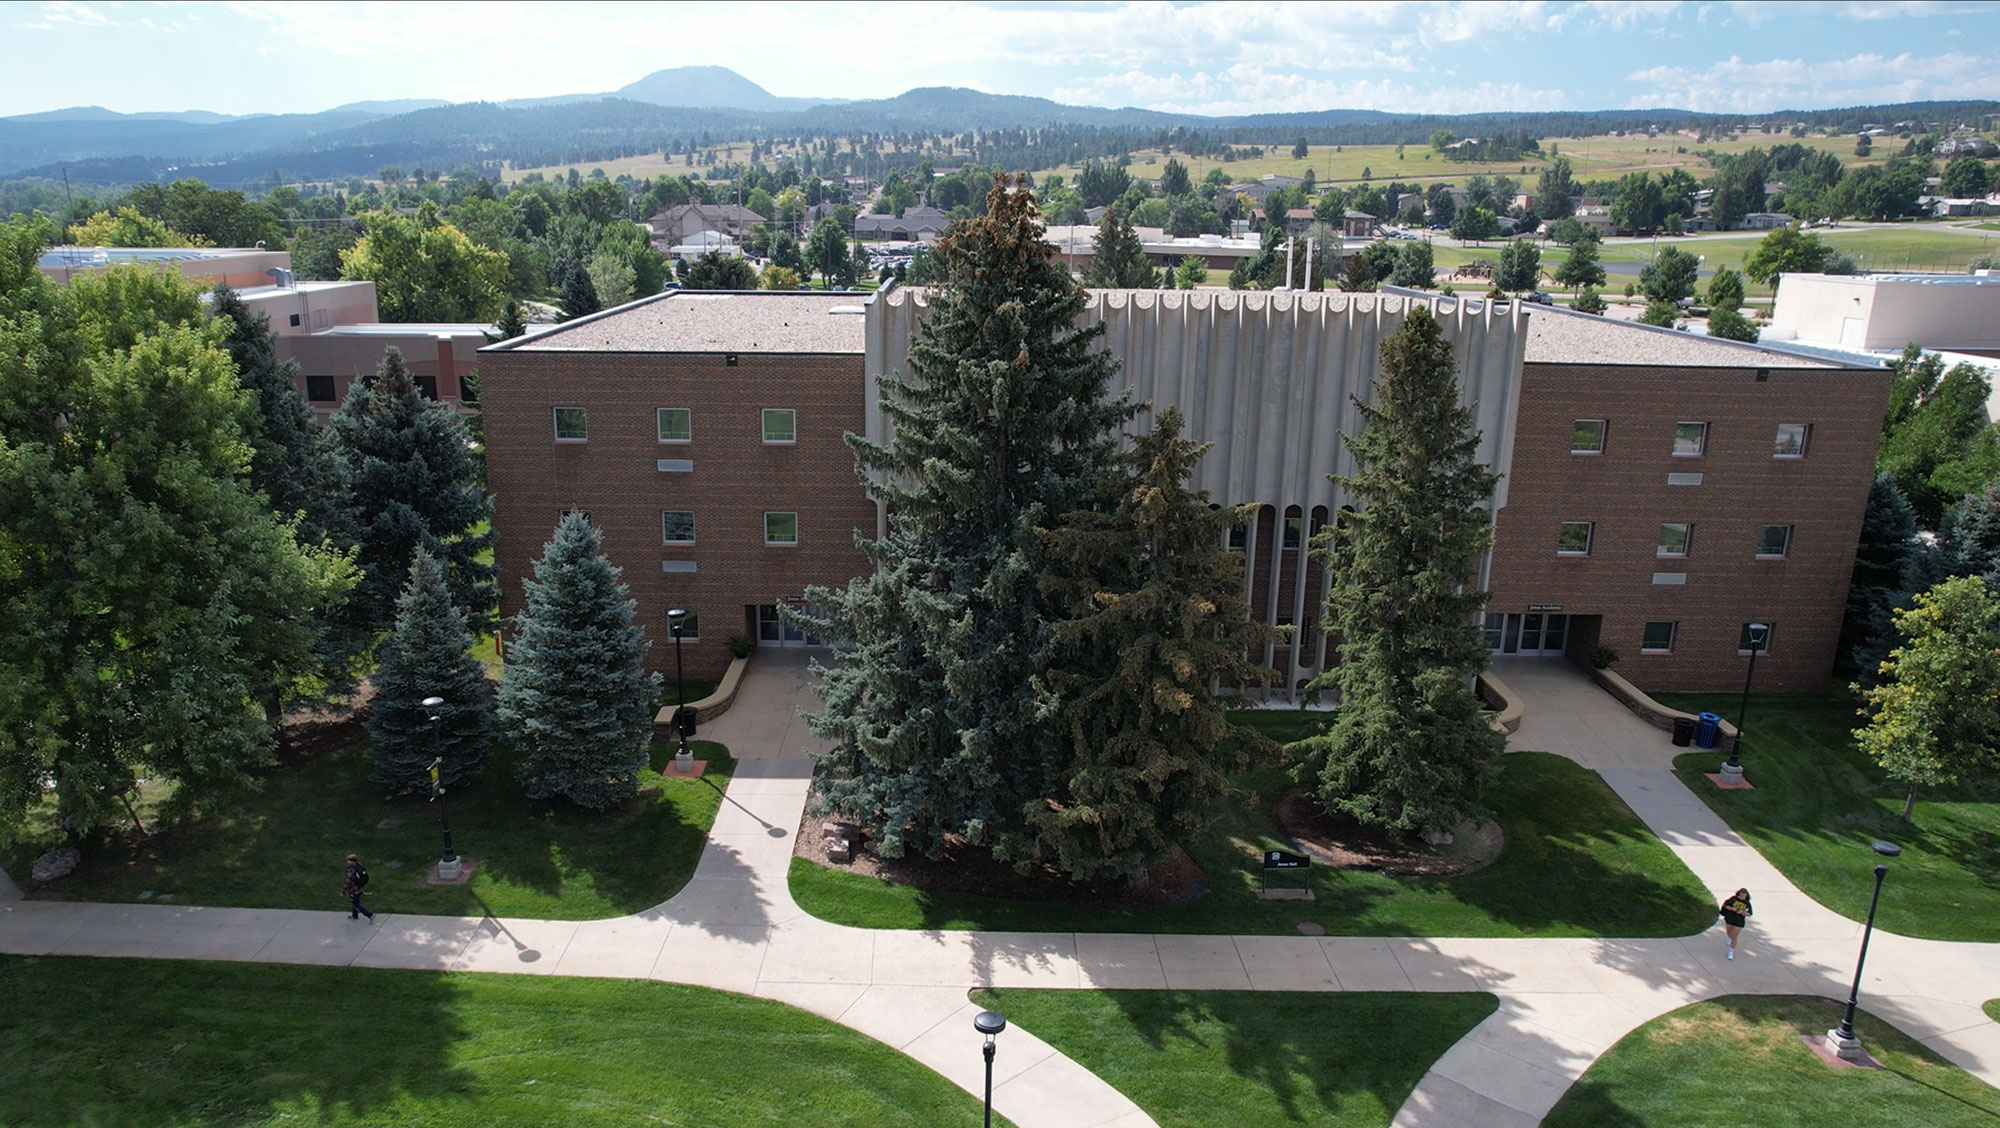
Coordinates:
(353,885)
(1735,912)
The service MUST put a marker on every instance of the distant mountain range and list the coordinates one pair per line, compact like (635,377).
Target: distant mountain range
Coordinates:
(691,105)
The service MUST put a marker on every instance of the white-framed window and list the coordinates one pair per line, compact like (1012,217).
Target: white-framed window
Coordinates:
(1690,439)
(781,528)
(1674,538)
(1743,638)
(1658,637)
(690,627)
(1774,541)
(1575,537)
(781,425)
(571,425)
(1791,440)
(676,424)
(1587,437)
(677,526)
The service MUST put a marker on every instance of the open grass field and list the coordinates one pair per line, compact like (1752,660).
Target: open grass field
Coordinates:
(1818,802)
(283,845)
(1565,831)
(171,1043)
(1196,1059)
(1739,1061)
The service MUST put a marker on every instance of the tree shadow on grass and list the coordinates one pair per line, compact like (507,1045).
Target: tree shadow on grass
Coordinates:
(145,1043)
(1203,1057)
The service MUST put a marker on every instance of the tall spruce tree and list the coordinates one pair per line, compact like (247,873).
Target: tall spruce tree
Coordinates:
(1409,748)
(937,712)
(1880,579)
(427,654)
(1118,259)
(412,483)
(285,460)
(576,698)
(1157,616)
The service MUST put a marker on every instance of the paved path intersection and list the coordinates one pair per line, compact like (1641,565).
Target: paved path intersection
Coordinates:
(735,927)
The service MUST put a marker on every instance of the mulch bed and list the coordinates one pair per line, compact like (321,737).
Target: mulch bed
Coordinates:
(964,868)
(1349,845)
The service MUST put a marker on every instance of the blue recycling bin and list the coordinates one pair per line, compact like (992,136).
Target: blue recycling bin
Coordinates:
(1706,728)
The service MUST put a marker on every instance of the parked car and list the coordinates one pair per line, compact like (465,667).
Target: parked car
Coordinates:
(1539,298)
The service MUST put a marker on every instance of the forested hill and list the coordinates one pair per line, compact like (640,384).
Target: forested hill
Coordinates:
(1006,129)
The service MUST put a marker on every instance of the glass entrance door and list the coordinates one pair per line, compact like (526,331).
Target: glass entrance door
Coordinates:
(1532,635)
(773,630)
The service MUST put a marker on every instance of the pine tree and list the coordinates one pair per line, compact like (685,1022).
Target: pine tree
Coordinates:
(285,462)
(411,483)
(1879,582)
(427,654)
(576,697)
(939,721)
(1409,748)
(511,324)
(1118,258)
(1157,616)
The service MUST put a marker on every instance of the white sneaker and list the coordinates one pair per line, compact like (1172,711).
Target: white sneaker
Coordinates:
(1732,951)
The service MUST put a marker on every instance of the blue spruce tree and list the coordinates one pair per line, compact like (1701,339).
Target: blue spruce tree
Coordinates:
(427,654)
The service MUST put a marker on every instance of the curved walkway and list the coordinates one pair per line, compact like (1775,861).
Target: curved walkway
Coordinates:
(736,927)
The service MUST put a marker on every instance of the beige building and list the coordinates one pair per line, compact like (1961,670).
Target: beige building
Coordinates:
(1884,312)
(241,267)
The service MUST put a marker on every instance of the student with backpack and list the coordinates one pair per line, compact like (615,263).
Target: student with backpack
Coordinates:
(353,886)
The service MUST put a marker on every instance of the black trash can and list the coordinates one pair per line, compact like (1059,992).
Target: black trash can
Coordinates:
(1706,729)
(1683,731)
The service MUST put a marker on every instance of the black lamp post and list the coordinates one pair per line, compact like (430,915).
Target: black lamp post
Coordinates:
(1756,635)
(448,866)
(1841,1039)
(683,759)
(989,1023)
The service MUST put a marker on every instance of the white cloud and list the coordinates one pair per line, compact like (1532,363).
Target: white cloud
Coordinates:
(56,12)
(1736,86)
(1250,89)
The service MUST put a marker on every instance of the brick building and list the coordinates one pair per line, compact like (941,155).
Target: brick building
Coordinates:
(704,434)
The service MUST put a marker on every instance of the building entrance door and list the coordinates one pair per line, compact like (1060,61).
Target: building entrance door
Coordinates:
(1531,635)
(772,630)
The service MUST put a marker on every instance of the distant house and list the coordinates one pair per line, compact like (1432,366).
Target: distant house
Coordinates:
(1990,205)
(1297,220)
(1765,221)
(703,243)
(1968,146)
(918,225)
(678,224)
(1358,224)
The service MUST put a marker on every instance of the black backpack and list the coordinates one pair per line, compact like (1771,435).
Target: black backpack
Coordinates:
(360,876)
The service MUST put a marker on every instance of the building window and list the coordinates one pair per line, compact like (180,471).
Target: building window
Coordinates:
(427,386)
(676,424)
(781,425)
(1743,638)
(1791,440)
(1587,437)
(319,389)
(1674,539)
(690,627)
(1658,639)
(1690,439)
(1294,527)
(570,425)
(1239,537)
(781,528)
(1575,538)
(1774,541)
(676,526)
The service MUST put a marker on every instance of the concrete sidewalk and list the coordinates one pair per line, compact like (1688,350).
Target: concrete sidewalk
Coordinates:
(736,927)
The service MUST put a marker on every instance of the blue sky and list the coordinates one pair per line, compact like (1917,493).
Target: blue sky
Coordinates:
(248,56)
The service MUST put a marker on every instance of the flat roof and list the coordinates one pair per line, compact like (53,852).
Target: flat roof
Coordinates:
(1902,279)
(1561,336)
(407,329)
(706,321)
(100,256)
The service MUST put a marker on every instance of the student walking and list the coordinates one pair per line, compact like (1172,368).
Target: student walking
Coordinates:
(1735,911)
(353,885)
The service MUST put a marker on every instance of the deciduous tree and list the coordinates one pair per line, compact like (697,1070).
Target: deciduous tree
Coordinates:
(1520,266)
(1936,441)
(1725,290)
(1581,268)
(424,269)
(1786,250)
(576,699)
(1731,326)
(1410,747)
(1934,717)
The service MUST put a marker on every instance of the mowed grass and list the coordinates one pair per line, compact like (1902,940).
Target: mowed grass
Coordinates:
(160,1043)
(1818,802)
(1740,1061)
(282,847)
(1577,862)
(1992,1008)
(1195,1059)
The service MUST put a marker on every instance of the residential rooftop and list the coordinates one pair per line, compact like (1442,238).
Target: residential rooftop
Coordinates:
(1560,336)
(712,321)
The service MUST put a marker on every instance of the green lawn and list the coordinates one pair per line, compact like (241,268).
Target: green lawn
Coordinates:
(1195,1059)
(1738,1061)
(1992,1008)
(1577,863)
(283,846)
(1818,802)
(162,1043)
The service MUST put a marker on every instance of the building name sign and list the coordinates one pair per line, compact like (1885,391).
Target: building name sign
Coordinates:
(1545,606)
